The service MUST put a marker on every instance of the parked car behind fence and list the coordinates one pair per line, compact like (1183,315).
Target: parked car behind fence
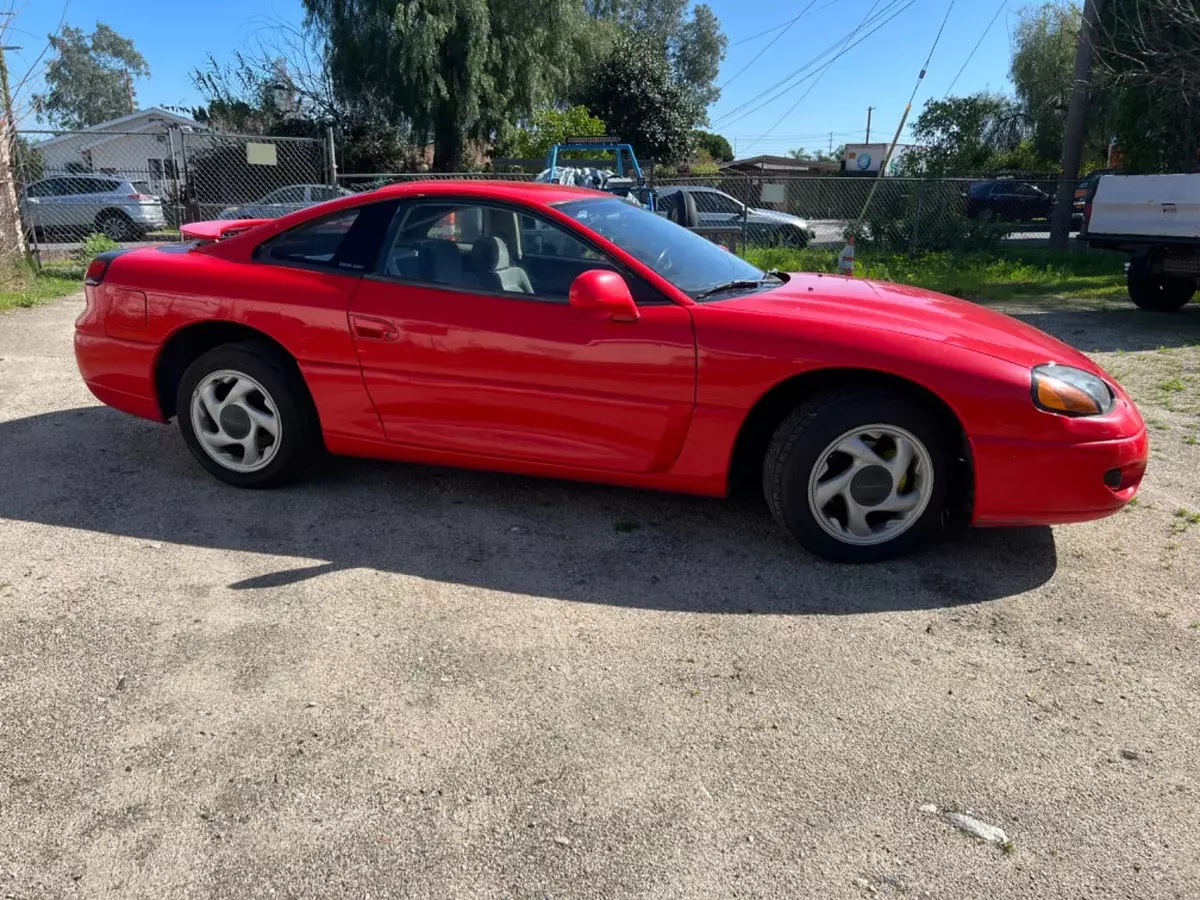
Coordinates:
(73,206)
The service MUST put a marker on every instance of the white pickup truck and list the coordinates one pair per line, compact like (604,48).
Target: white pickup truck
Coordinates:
(1156,220)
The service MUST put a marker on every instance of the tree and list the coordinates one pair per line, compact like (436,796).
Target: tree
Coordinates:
(550,126)
(457,71)
(633,92)
(90,78)
(694,45)
(1148,60)
(966,135)
(1042,69)
(799,153)
(715,145)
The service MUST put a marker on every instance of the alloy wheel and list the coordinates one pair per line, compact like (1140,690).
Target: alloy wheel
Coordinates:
(235,421)
(871,484)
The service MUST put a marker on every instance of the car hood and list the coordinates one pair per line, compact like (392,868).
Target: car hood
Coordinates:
(881,306)
(770,215)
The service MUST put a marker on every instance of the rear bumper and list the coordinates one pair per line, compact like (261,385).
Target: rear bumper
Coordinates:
(151,216)
(1030,483)
(119,373)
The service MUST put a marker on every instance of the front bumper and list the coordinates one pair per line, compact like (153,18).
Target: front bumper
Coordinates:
(1021,482)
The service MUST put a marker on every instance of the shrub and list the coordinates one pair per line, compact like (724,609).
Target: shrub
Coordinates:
(93,245)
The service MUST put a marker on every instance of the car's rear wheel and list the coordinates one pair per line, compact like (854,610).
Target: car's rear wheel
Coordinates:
(858,476)
(1157,292)
(116,225)
(246,416)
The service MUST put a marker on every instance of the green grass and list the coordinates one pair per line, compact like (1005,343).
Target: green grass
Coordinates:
(1003,275)
(21,286)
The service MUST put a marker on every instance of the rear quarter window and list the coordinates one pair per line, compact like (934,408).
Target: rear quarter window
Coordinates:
(348,241)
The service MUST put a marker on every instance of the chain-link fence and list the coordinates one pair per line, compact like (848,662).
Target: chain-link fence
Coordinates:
(903,214)
(142,185)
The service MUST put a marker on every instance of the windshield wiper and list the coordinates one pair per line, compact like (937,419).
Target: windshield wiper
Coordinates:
(738,284)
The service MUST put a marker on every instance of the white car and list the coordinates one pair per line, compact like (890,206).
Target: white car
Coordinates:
(716,209)
(77,205)
(284,200)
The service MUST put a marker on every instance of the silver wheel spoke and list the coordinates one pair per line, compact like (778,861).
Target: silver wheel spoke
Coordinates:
(212,406)
(266,421)
(856,447)
(827,490)
(250,452)
(856,519)
(898,464)
(240,389)
(900,503)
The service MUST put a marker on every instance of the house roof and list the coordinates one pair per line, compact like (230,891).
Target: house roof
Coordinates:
(152,116)
(766,163)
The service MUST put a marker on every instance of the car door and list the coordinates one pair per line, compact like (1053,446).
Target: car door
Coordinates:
(95,195)
(42,206)
(463,354)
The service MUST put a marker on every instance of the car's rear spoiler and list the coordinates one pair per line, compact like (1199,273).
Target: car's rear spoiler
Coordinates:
(219,229)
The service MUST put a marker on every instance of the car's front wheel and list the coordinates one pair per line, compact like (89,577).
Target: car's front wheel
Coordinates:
(858,475)
(246,416)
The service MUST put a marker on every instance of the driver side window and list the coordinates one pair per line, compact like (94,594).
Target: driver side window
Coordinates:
(489,249)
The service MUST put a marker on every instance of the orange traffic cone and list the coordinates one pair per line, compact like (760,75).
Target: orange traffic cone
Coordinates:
(846,258)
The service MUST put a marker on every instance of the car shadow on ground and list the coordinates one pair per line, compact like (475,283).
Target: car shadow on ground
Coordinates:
(98,470)
(1108,330)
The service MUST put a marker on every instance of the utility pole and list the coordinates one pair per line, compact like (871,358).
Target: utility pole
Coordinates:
(870,109)
(12,238)
(1076,127)
(831,143)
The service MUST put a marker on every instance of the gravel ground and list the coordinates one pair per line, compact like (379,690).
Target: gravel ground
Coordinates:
(404,682)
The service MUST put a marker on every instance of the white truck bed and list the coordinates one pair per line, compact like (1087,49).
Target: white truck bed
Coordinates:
(1163,207)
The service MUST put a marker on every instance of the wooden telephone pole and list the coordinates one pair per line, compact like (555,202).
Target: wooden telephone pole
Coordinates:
(1076,128)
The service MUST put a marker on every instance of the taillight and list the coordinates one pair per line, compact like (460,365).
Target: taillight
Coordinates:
(140,197)
(1087,215)
(95,270)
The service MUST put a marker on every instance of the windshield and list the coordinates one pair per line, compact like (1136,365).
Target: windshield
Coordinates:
(690,262)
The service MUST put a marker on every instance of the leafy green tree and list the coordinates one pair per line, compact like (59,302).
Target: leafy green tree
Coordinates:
(695,44)
(966,135)
(457,71)
(89,78)
(1148,64)
(549,126)
(715,145)
(633,92)
(1043,71)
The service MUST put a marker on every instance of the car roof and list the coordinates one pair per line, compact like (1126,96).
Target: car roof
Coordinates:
(535,192)
(75,176)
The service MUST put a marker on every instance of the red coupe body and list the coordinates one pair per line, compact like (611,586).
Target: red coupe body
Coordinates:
(457,374)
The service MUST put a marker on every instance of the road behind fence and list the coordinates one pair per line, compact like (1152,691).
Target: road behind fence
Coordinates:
(141,185)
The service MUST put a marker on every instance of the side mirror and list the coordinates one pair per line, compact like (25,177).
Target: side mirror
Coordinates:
(606,291)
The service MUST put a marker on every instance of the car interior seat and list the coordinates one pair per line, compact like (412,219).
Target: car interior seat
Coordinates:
(441,262)
(492,265)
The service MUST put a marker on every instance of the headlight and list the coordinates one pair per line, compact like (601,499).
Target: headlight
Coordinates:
(1070,391)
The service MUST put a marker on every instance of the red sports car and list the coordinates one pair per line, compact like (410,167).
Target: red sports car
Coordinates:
(563,332)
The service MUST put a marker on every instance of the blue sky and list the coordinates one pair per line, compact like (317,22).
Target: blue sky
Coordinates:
(880,71)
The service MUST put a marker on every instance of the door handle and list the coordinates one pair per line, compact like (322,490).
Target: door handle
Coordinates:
(374,329)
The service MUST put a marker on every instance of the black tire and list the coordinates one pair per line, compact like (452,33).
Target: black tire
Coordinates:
(1157,292)
(116,225)
(300,441)
(803,437)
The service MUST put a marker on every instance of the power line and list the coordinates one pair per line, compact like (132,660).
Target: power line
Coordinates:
(929,58)
(845,48)
(1003,5)
(760,53)
(752,37)
(839,52)
(731,116)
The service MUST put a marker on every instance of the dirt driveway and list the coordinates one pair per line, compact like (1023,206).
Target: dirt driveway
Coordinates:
(405,682)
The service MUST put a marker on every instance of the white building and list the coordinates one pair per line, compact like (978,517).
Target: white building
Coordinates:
(144,146)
